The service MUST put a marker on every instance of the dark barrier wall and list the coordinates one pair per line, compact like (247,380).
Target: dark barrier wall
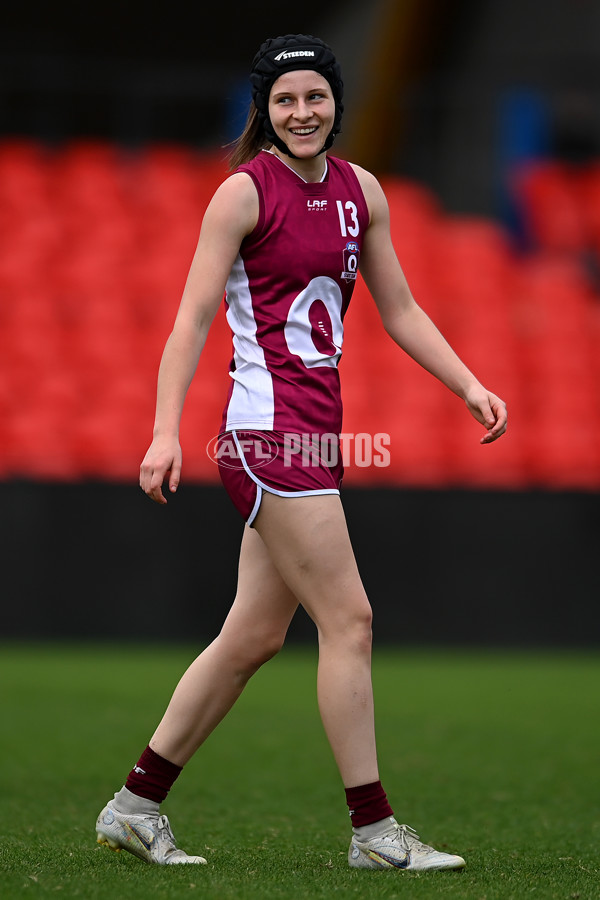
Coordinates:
(102,561)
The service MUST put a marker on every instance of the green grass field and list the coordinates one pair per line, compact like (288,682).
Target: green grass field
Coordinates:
(495,756)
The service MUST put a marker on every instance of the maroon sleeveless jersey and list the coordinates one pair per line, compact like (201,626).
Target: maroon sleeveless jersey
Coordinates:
(287,296)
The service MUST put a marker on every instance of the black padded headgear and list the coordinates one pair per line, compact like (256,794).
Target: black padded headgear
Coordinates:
(285,54)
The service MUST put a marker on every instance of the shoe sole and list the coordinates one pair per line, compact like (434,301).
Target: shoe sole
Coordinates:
(377,862)
(105,841)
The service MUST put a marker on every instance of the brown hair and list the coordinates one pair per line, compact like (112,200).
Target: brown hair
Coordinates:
(250,142)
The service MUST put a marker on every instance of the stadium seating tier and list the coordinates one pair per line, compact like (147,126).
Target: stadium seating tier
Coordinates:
(95,246)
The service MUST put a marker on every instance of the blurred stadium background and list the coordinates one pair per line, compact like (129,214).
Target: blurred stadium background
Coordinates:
(482,120)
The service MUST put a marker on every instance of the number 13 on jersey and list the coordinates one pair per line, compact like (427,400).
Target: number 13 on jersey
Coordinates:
(348,228)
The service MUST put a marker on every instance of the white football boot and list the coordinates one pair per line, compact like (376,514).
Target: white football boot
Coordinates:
(149,837)
(399,847)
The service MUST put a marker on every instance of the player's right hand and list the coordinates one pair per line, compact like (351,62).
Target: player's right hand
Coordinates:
(162,461)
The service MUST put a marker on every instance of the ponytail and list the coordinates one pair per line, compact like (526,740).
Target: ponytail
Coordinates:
(250,142)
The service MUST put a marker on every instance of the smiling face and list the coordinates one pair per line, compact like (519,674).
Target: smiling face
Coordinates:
(302,111)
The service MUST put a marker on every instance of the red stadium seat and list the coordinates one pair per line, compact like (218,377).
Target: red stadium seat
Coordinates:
(567,456)
(24,179)
(109,443)
(551,207)
(39,446)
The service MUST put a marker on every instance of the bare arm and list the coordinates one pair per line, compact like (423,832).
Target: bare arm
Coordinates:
(409,326)
(230,216)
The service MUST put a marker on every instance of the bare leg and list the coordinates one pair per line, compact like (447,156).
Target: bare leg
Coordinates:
(253,632)
(307,539)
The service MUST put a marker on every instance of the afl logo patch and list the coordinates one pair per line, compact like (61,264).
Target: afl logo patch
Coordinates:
(350,266)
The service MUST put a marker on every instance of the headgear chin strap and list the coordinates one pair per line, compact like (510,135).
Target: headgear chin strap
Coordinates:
(285,54)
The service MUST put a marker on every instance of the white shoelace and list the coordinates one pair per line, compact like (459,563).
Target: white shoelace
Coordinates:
(165,833)
(406,836)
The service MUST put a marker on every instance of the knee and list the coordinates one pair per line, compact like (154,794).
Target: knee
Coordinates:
(252,650)
(352,628)
(265,647)
(361,632)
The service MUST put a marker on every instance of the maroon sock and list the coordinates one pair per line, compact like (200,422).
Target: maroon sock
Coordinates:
(152,777)
(367,804)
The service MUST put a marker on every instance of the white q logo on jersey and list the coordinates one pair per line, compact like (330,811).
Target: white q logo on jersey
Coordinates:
(299,330)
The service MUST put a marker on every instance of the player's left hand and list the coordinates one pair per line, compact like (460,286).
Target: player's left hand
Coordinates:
(490,411)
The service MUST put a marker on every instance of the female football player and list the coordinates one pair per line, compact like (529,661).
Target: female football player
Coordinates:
(283,236)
